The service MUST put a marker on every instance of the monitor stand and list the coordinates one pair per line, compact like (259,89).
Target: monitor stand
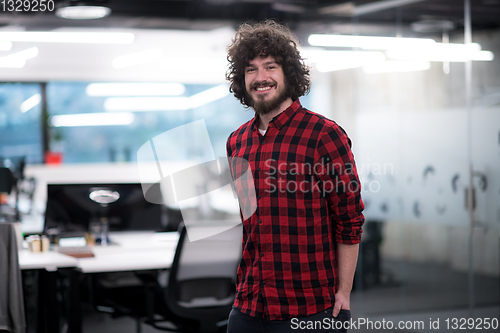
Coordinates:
(101,232)
(107,241)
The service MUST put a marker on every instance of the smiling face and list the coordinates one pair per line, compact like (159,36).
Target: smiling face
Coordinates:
(265,85)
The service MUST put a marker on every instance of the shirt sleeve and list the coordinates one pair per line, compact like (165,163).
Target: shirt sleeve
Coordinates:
(336,169)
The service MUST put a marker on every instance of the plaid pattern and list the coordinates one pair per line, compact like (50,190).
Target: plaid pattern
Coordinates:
(308,198)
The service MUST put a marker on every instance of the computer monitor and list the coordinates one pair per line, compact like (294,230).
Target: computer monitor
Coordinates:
(71,208)
(7,180)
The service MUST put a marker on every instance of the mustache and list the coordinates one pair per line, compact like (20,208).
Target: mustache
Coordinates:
(263,84)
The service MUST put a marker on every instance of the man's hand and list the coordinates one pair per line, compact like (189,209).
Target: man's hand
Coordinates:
(347,257)
(342,301)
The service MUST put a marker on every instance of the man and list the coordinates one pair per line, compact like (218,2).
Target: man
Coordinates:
(300,247)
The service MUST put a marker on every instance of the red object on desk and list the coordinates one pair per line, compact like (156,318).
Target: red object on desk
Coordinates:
(52,157)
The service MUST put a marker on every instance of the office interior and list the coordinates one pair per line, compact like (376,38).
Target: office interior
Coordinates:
(421,106)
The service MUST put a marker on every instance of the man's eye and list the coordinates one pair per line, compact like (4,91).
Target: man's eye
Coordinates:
(271,67)
(250,70)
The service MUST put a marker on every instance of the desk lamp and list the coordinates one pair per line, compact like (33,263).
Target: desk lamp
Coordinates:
(104,197)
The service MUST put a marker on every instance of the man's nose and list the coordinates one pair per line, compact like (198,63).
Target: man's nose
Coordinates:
(261,76)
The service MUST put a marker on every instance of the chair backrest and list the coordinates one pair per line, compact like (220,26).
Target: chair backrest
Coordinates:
(201,283)
(12,317)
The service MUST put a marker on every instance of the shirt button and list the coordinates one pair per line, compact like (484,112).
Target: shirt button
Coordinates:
(260,221)
(263,283)
(263,142)
(259,197)
(262,254)
(258,169)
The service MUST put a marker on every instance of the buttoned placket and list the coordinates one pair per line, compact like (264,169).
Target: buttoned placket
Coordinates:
(265,150)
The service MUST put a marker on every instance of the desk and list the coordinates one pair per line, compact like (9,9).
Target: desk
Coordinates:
(47,264)
(49,261)
(131,251)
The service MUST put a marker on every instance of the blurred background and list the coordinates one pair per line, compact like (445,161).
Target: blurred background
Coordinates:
(415,84)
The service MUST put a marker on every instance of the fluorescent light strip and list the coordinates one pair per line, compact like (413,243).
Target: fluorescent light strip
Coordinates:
(367,43)
(165,103)
(483,56)
(30,103)
(146,103)
(5,46)
(18,59)
(397,49)
(397,66)
(138,58)
(12,63)
(27,54)
(209,95)
(135,89)
(195,65)
(92,119)
(443,52)
(68,37)
(328,61)
(83,12)
(326,55)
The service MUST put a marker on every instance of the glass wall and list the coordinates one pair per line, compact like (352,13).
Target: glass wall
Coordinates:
(83,143)
(421,138)
(20,122)
(150,115)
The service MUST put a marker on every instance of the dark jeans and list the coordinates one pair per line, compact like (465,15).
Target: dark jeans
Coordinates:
(322,322)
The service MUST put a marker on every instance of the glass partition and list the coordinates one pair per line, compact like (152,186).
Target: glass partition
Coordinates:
(422,136)
(20,125)
(109,122)
(137,117)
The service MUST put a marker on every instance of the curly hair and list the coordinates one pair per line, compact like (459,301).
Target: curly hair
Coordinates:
(264,39)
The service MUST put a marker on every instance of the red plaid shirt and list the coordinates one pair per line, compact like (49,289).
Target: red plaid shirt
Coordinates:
(308,198)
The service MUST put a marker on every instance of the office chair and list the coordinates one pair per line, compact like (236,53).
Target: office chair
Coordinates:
(198,292)
(12,316)
(201,283)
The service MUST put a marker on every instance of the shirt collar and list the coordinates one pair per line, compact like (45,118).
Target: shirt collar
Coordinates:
(282,118)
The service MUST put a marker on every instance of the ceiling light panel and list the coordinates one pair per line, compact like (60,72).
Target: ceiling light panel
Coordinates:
(5,46)
(367,42)
(92,119)
(397,66)
(146,103)
(30,103)
(18,59)
(209,95)
(9,63)
(135,89)
(68,37)
(27,54)
(444,52)
(138,58)
(83,12)
(138,104)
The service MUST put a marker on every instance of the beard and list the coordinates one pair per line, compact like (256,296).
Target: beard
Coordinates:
(263,106)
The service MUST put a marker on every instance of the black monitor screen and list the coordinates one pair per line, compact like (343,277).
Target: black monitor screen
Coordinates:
(73,207)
